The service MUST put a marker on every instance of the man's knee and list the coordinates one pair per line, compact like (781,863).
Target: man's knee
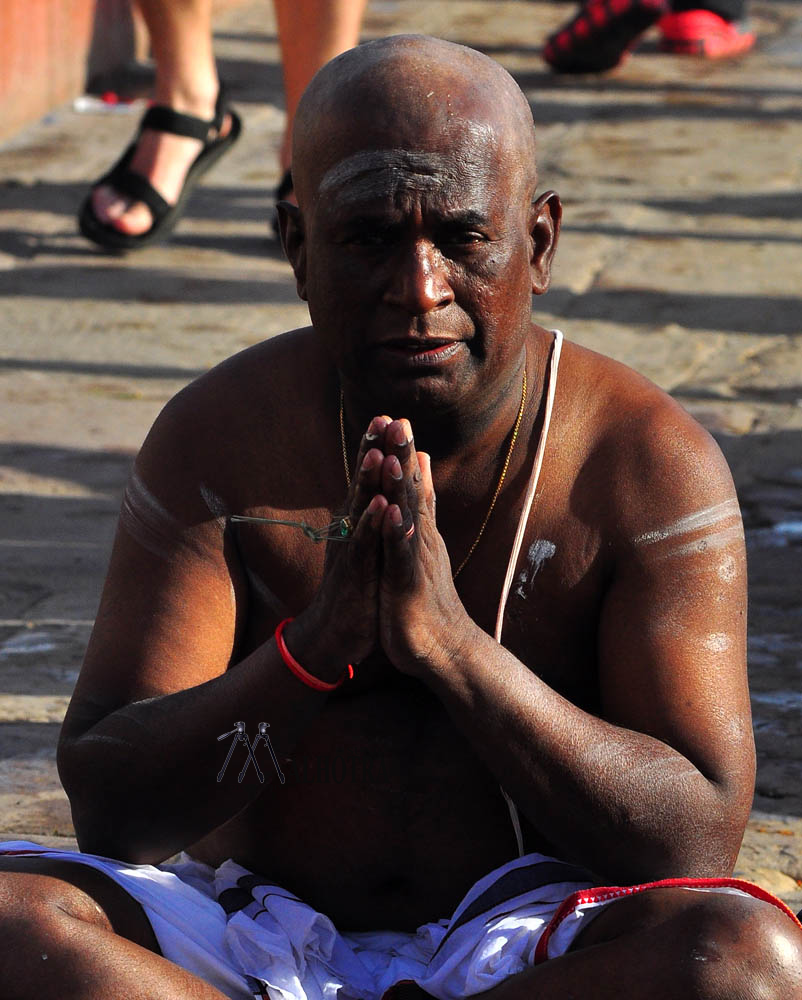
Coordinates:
(34,904)
(739,948)
(712,945)
(44,895)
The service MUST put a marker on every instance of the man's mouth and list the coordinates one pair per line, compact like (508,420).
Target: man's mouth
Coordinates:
(419,350)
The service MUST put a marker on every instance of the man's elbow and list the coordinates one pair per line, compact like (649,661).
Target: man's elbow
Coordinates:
(706,842)
(101,805)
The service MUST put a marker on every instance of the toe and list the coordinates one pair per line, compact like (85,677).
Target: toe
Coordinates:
(114,209)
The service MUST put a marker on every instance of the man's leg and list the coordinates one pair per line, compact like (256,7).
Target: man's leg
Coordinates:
(673,944)
(69,931)
(311,32)
(186,81)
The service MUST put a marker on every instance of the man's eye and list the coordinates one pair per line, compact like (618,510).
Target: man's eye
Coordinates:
(371,238)
(464,237)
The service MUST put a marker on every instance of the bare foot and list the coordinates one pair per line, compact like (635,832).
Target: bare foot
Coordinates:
(164,160)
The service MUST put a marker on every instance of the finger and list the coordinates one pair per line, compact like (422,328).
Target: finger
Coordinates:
(367,482)
(401,445)
(398,540)
(395,487)
(399,441)
(372,438)
(362,545)
(376,429)
(375,511)
(426,484)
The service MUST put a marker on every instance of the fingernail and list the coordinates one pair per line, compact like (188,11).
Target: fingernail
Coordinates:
(375,428)
(395,469)
(395,516)
(400,435)
(374,505)
(369,461)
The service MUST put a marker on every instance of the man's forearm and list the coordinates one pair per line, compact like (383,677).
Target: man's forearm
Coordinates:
(623,803)
(142,781)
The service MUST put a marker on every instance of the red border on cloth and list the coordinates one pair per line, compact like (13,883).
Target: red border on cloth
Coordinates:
(604,894)
(30,850)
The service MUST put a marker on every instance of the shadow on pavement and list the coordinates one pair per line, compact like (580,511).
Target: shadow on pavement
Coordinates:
(756,314)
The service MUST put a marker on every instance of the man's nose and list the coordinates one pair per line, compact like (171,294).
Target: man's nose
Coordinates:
(419,280)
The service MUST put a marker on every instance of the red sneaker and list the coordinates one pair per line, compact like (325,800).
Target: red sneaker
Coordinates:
(703,33)
(601,34)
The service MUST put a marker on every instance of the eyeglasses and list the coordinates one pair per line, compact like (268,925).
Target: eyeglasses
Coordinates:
(335,531)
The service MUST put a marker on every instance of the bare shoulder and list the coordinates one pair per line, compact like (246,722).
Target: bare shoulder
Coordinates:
(234,423)
(652,462)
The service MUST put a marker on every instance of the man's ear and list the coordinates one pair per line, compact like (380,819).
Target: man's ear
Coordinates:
(293,241)
(545,216)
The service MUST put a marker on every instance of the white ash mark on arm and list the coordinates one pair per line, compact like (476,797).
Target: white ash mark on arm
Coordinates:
(215,505)
(539,551)
(699,520)
(718,642)
(710,542)
(148,521)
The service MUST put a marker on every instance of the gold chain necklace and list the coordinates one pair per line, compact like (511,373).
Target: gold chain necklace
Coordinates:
(501,479)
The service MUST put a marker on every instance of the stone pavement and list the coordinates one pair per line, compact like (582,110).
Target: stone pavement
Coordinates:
(681,255)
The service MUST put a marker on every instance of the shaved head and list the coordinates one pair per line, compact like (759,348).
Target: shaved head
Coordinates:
(397,93)
(417,221)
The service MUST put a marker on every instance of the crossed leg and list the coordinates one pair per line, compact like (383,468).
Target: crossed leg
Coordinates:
(667,944)
(673,944)
(69,931)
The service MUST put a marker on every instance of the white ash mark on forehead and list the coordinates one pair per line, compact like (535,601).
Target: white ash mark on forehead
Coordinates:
(379,173)
(539,551)
(354,168)
(697,521)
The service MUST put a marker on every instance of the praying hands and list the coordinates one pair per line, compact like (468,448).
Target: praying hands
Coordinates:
(391,586)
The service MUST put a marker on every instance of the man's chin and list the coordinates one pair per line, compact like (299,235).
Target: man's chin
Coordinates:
(410,391)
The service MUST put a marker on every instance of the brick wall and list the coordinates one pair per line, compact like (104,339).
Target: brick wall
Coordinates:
(48,49)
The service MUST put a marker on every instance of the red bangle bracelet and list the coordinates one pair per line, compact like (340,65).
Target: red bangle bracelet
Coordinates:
(295,667)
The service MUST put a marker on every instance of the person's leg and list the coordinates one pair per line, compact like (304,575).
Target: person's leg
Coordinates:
(673,944)
(69,931)
(311,32)
(186,81)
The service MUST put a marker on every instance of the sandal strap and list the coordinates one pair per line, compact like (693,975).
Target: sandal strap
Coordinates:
(161,118)
(138,188)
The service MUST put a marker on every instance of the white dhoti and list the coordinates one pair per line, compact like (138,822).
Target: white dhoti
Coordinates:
(250,938)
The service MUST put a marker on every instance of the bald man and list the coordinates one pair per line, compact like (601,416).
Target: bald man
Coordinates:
(536,783)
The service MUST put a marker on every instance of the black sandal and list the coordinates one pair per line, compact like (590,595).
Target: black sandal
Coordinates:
(139,188)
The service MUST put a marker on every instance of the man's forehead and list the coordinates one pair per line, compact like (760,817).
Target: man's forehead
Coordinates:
(426,167)
(383,171)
